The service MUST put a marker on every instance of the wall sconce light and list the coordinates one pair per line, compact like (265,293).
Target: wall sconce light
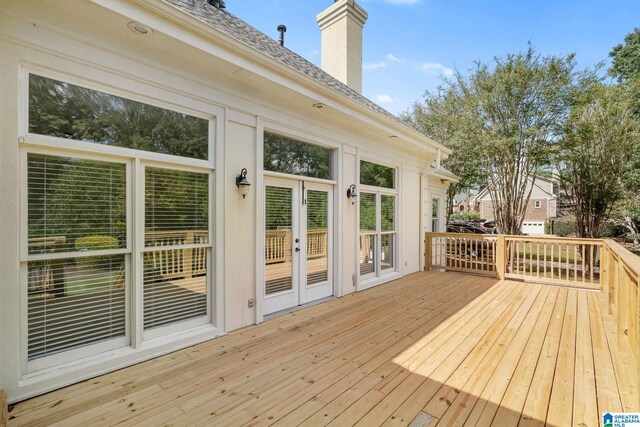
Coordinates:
(242,183)
(352,193)
(444,181)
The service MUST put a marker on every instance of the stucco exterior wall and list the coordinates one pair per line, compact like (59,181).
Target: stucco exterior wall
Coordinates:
(182,71)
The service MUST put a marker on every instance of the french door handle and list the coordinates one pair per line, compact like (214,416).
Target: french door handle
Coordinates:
(297,240)
(297,249)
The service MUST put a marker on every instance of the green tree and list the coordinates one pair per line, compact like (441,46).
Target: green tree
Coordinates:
(598,136)
(625,58)
(504,121)
(441,116)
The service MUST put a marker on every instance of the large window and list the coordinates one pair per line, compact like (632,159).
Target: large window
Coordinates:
(286,155)
(81,257)
(378,235)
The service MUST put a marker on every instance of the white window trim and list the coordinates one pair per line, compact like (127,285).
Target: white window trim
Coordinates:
(135,161)
(379,276)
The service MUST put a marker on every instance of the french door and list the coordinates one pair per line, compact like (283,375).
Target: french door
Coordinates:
(298,243)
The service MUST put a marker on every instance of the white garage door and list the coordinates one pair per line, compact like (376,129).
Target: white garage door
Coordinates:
(533,227)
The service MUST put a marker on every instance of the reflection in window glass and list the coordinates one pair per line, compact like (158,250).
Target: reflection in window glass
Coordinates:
(176,214)
(286,155)
(74,302)
(377,175)
(277,250)
(387,212)
(176,207)
(367,213)
(317,236)
(367,254)
(387,251)
(75,204)
(68,111)
(435,215)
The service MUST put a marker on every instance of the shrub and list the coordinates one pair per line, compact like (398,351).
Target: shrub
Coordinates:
(466,216)
(565,227)
(95,243)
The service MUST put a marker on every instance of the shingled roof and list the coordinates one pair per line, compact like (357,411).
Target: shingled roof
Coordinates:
(236,28)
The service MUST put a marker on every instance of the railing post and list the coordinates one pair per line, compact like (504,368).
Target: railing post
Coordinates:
(187,255)
(501,257)
(4,408)
(427,251)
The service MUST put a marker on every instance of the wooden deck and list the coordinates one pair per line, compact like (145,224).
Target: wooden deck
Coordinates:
(433,348)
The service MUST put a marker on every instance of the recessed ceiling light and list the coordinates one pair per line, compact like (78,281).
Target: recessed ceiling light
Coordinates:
(393,136)
(138,28)
(318,105)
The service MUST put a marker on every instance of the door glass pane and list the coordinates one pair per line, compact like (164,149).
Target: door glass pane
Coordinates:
(367,253)
(317,236)
(68,111)
(435,215)
(176,215)
(387,260)
(74,302)
(387,213)
(278,226)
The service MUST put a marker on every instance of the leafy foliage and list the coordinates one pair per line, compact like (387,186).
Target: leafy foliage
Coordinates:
(598,136)
(286,155)
(68,111)
(625,58)
(503,121)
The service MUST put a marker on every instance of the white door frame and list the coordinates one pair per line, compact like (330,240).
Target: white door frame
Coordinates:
(301,292)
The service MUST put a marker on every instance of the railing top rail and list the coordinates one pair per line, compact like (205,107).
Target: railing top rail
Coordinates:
(465,235)
(626,257)
(555,239)
(576,240)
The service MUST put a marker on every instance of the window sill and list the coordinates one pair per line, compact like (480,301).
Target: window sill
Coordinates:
(375,281)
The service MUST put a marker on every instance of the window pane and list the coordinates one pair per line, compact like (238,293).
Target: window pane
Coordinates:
(317,236)
(68,111)
(367,213)
(286,155)
(387,212)
(367,254)
(377,175)
(175,286)
(74,302)
(176,207)
(75,204)
(278,223)
(388,251)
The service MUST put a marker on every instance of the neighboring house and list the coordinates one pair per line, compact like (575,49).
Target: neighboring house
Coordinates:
(541,206)
(130,131)
(466,203)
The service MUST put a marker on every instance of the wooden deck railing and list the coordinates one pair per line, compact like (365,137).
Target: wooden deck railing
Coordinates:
(594,264)
(620,281)
(277,248)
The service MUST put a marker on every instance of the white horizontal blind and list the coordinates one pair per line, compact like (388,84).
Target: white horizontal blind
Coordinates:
(278,226)
(388,235)
(317,236)
(176,218)
(368,238)
(78,206)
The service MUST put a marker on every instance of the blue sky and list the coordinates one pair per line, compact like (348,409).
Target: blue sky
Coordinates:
(410,44)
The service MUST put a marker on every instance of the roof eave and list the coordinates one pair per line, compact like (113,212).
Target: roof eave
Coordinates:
(186,21)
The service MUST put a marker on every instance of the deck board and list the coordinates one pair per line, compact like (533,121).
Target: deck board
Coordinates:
(442,348)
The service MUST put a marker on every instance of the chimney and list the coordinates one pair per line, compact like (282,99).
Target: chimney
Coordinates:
(341,38)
